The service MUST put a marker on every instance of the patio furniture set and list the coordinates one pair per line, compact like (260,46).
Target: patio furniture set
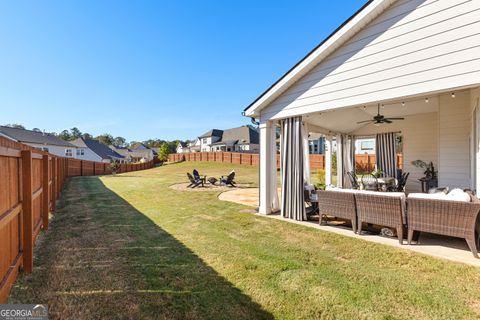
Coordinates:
(451,214)
(373,183)
(196,180)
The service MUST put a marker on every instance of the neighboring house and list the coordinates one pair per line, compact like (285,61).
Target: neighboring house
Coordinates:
(123,151)
(365,146)
(416,60)
(194,146)
(316,144)
(208,138)
(93,150)
(241,139)
(182,147)
(139,153)
(40,140)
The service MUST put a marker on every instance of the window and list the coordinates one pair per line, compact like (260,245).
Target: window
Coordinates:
(367,145)
(80,152)
(45,149)
(68,153)
(204,140)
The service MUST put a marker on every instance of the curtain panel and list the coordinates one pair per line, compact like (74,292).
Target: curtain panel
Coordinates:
(386,153)
(293,169)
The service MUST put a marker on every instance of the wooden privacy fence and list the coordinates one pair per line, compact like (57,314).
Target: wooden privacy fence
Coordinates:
(30,183)
(363,162)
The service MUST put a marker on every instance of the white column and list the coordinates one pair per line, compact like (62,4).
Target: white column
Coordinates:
(340,145)
(268,166)
(328,160)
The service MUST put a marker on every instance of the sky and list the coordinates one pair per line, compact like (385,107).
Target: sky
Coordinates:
(151,69)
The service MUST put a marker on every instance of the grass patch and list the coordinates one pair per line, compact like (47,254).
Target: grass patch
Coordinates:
(130,247)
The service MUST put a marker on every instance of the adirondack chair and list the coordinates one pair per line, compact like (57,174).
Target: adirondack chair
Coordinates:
(197,176)
(193,182)
(228,180)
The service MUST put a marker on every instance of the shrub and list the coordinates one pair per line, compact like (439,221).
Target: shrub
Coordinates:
(114,166)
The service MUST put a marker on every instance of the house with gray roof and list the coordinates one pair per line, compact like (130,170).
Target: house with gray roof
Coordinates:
(241,139)
(93,150)
(40,140)
(139,153)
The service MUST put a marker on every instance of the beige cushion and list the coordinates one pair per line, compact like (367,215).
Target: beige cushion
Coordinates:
(399,195)
(331,188)
(456,196)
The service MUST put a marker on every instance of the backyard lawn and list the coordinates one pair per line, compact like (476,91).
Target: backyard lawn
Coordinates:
(128,246)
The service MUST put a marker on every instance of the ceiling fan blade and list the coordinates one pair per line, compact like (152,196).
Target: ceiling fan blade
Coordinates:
(395,118)
(387,121)
(365,121)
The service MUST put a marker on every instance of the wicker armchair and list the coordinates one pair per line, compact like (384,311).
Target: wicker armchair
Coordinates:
(339,204)
(381,209)
(445,217)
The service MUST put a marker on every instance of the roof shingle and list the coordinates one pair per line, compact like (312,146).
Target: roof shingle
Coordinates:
(30,136)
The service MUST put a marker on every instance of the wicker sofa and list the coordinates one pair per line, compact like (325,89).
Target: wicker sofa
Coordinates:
(360,206)
(426,213)
(381,208)
(338,203)
(445,217)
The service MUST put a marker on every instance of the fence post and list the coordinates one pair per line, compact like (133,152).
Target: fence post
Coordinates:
(27,213)
(45,191)
(81,167)
(94,164)
(54,182)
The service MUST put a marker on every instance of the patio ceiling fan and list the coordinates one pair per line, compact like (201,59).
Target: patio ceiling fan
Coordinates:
(379,118)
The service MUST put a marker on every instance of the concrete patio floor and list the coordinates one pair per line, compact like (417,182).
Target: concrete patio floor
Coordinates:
(449,248)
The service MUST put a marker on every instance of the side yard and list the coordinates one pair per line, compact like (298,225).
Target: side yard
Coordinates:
(131,247)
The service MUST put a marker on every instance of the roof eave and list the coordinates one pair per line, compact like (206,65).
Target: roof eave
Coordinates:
(344,32)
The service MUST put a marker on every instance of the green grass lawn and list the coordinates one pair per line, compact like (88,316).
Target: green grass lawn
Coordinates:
(128,246)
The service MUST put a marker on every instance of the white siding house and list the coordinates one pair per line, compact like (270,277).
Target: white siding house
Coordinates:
(420,59)
(94,150)
(240,139)
(40,140)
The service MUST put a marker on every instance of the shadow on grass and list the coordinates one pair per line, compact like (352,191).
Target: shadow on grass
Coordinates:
(102,258)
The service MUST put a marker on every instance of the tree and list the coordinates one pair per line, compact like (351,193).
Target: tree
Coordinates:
(105,138)
(172,146)
(75,133)
(15,125)
(163,152)
(65,135)
(119,142)
(87,136)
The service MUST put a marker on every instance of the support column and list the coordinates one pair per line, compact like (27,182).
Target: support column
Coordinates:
(328,160)
(268,166)
(340,152)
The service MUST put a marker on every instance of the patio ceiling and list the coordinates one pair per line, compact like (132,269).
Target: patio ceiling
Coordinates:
(345,120)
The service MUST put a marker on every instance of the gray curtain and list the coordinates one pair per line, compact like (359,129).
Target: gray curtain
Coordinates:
(348,157)
(293,203)
(386,153)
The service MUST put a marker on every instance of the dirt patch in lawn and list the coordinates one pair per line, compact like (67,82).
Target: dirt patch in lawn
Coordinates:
(207,187)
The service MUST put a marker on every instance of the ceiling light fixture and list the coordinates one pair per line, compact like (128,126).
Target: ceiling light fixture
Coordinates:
(453,94)
(426,100)
(403,104)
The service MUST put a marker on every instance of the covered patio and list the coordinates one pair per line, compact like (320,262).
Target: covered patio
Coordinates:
(400,72)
